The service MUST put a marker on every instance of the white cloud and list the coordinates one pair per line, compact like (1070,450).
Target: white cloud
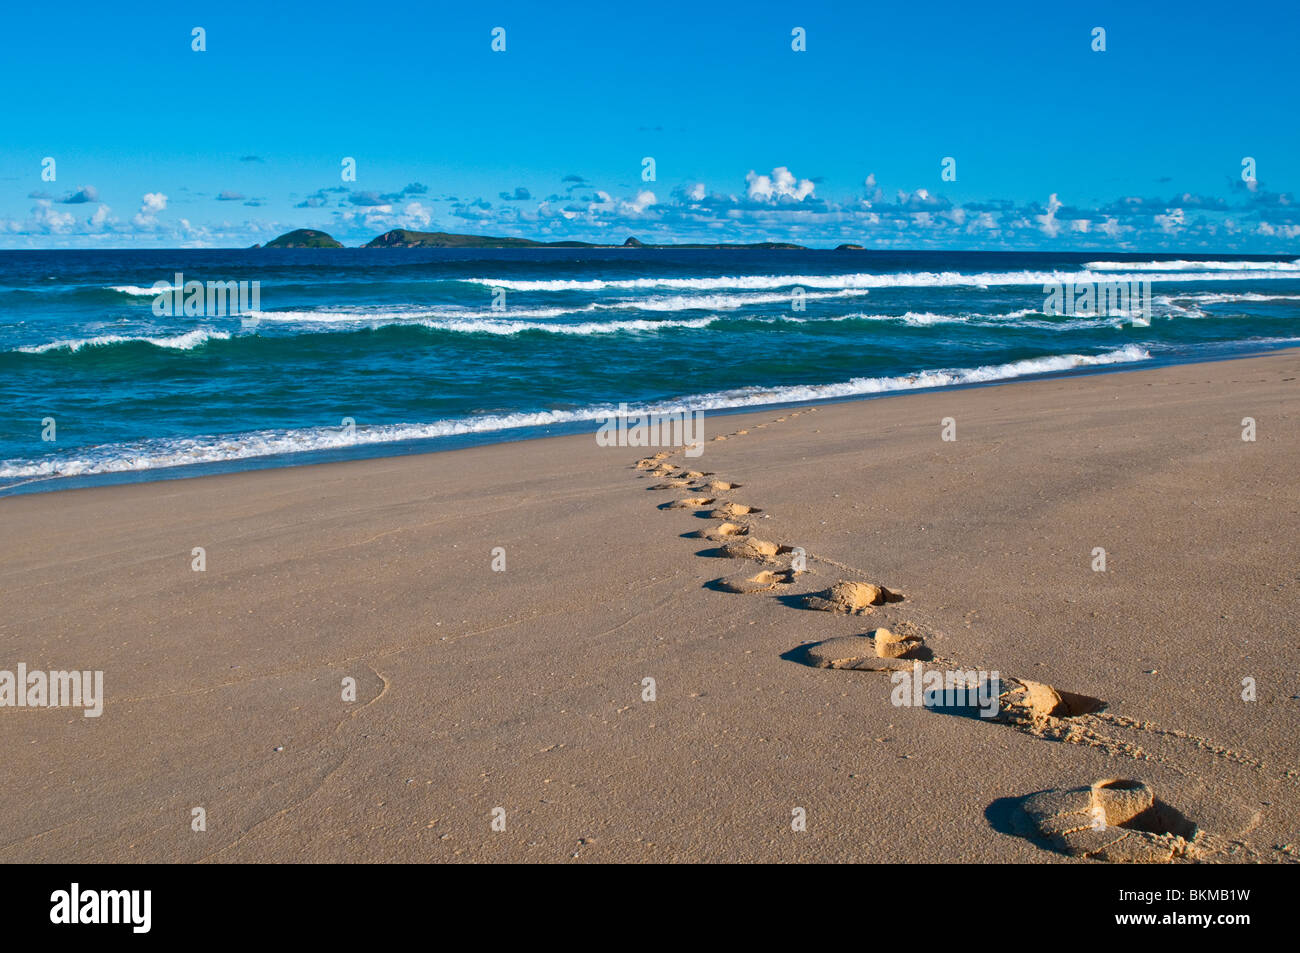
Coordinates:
(781,184)
(1047,222)
(1171,221)
(415,216)
(151,203)
(45,218)
(1111,228)
(644,199)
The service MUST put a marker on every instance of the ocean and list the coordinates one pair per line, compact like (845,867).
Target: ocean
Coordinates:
(366,352)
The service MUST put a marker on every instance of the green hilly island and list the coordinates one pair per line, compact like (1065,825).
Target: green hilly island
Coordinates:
(303,238)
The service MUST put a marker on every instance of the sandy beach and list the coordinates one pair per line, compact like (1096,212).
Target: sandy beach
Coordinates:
(524,689)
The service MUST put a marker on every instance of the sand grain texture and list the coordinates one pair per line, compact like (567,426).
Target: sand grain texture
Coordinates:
(523,689)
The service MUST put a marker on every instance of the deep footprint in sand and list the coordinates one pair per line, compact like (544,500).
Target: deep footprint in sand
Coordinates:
(690,503)
(750,548)
(764,581)
(725,510)
(647,463)
(718,486)
(671,485)
(854,598)
(1035,704)
(721,532)
(880,650)
(1116,820)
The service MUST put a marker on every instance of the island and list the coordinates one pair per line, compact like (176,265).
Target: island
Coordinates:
(406,238)
(303,238)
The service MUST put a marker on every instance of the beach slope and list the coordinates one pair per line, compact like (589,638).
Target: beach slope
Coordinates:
(448,656)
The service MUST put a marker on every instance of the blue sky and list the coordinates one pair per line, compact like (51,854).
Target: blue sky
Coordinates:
(1056,146)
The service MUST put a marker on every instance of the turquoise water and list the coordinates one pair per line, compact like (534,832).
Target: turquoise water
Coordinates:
(408,344)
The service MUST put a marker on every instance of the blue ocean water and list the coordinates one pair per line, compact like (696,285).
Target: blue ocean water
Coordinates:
(407,344)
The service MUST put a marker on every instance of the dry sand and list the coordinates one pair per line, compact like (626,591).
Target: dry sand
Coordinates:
(523,689)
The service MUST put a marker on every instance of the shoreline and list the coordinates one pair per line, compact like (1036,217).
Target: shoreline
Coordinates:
(510,435)
(524,688)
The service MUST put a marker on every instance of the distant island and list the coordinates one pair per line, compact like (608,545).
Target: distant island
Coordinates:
(302,238)
(405,238)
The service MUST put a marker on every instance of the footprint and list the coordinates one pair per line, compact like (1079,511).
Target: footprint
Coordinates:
(765,581)
(690,503)
(855,598)
(718,486)
(741,433)
(853,652)
(671,485)
(750,548)
(1034,704)
(725,510)
(895,644)
(721,532)
(694,475)
(1116,820)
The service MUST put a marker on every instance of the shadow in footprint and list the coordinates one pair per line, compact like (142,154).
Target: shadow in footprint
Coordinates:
(799,654)
(807,654)
(687,504)
(1007,816)
(792,600)
(977,698)
(1093,821)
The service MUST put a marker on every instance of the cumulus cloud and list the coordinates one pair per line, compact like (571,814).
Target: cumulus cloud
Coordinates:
(415,216)
(1171,221)
(46,219)
(781,184)
(1047,222)
(151,203)
(644,199)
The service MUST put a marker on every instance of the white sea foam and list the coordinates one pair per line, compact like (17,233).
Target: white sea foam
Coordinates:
(922,279)
(1010,319)
(402,314)
(717,302)
(1213,298)
(1291,266)
(153,454)
(137,292)
(473,322)
(180,342)
(481,326)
